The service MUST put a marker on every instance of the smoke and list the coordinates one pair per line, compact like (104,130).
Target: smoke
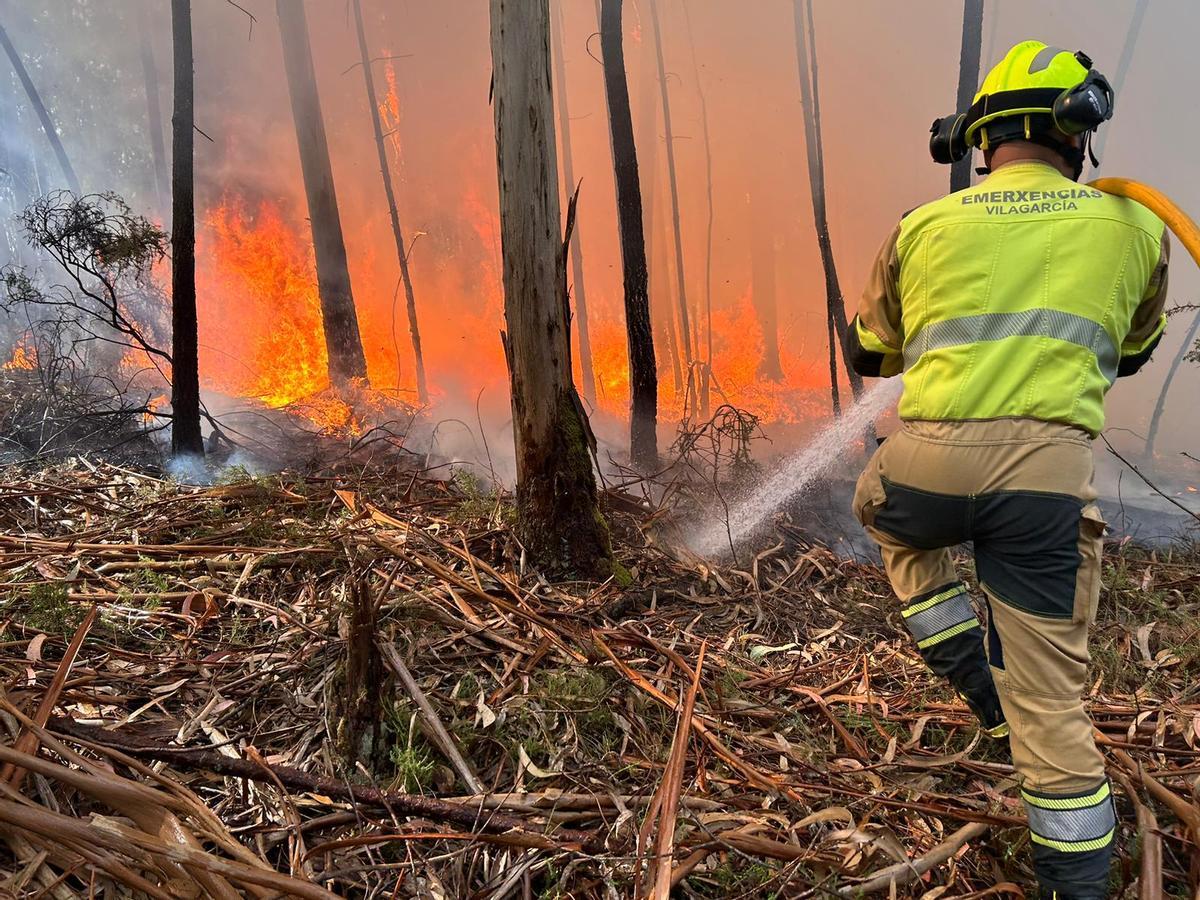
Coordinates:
(886,70)
(201,471)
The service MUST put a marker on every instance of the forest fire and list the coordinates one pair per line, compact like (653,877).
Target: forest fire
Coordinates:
(260,316)
(23,358)
(262,338)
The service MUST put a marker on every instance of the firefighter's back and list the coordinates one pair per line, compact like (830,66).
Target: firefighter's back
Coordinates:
(1017,297)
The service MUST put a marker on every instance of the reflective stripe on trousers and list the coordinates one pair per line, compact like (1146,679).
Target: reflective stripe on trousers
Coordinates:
(940,617)
(1071,824)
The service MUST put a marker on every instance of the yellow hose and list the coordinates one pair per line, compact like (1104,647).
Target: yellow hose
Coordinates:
(1156,201)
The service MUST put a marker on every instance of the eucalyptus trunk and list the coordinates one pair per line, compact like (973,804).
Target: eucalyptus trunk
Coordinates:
(35,100)
(685,326)
(706,375)
(558,515)
(643,370)
(1123,63)
(1160,404)
(186,437)
(810,97)
(661,303)
(414,329)
(568,166)
(343,343)
(154,120)
(763,261)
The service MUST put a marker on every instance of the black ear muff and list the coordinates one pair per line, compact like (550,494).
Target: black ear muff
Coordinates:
(1084,107)
(948,139)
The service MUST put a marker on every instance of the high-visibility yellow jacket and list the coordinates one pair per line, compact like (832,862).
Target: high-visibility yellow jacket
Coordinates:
(1024,296)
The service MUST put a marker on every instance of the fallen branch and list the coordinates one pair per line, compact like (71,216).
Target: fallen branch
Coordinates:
(467,816)
(906,872)
(28,742)
(1150,484)
(434,727)
(1150,878)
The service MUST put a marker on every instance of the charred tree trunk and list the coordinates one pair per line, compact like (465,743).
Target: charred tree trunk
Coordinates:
(342,340)
(685,327)
(35,100)
(968,80)
(564,124)
(154,122)
(659,276)
(706,374)
(558,517)
(665,315)
(186,437)
(414,329)
(762,273)
(359,699)
(1160,404)
(810,97)
(1123,64)
(643,370)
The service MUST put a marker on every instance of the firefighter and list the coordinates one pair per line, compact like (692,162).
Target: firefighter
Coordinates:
(1010,308)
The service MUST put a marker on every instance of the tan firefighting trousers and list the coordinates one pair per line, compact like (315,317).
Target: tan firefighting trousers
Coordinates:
(1021,492)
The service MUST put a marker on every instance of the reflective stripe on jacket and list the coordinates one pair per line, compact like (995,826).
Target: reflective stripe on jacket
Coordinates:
(1023,296)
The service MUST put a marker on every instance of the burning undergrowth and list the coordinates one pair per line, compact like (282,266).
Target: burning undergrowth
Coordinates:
(524,732)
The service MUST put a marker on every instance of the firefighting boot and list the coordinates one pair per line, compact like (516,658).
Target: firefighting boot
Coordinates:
(1072,837)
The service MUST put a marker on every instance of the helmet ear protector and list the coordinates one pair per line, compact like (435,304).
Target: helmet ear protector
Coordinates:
(1075,110)
(948,139)
(1084,107)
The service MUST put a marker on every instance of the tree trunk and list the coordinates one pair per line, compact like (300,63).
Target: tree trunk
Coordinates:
(1123,64)
(154,122)
(643,370)
(706,374)
(185,377)
(414,330)
(685,327)
(762,269)
(43,115)
(810,97)
(1159,405)
(968,80)
(564,124)
(342,340)
(558,517)
(659,277)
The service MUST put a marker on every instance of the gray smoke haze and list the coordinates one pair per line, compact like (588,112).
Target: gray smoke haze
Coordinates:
(887,69)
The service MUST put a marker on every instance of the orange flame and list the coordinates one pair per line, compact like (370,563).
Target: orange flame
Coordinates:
(260,320)
(261,334)
(24,357)
(737,352)
(389,113)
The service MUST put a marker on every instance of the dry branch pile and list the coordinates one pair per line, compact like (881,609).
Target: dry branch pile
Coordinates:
(351,684)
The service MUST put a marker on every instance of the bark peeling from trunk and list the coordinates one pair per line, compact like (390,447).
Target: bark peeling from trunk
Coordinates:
(568,166)
(558,517)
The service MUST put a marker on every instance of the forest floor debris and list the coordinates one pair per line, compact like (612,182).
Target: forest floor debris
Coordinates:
(350,683)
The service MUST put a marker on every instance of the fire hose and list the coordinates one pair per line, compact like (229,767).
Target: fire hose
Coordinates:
(1161,205)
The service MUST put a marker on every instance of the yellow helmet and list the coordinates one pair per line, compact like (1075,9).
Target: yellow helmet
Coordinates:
(1036,93)
(1032,80)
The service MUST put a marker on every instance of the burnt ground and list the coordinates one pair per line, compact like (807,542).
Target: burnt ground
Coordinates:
(348,681)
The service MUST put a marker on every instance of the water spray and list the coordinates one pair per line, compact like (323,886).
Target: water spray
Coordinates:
(797,474)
